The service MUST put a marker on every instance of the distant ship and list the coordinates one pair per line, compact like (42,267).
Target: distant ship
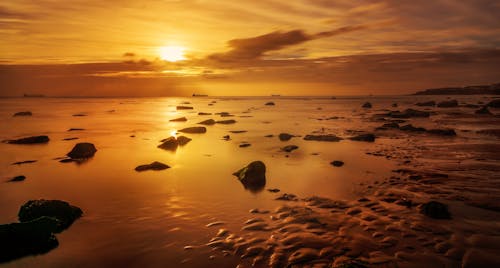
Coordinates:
(199,95)
(33,95)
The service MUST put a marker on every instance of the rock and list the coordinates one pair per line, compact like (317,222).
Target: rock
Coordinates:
(494,103)
(184,108)
(411,128)
(244,145)
(60,210)
(269,136)
(364,137)
(238,131)
(70,139)
(435,210)
(194,130)
(388,125)
(273,190)
(367,105)
(79,115)
(285,136)
(17,178)
(270,103)
(345,262)
(442,132)
(30,140)
(207,122)
(76,129)
(180,119)
(448,104)
(171,143)
(201,113)
(226,137)
(153,166)
(394,105)
(483,110)
(408,113)
(328,137)
(303,255)
(426,103)
(226,122)
(28,238)
(337,163)
(26,113)
(290,148)
(287,197)
(253,176)
(24,162)
(82,150)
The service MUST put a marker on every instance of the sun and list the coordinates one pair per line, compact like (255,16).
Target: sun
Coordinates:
(172,53)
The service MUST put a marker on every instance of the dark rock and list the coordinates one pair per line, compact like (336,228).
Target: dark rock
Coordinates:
(290,148)
(328,137)
(426,103)
(26,113)
(70,139)
(66,160)
(442,132)
(468,105)
(367,105)
(494,103)
(226,122)
(207,122)
(226,137)
(408,113)
(253,176)
(388,126)
(448,104)
(285,136)
(82,150)
(337,163)
(435,210)
(79,115)
(180,119)
(287,197)
(184,108)
(201,113)
(244,145)
(183,140)
(76,129)
(171,143)
(28,238)
(483,110)
(273,190)
(364,137)
(60,210)
(270,103)
(17,178)
(194,130)
(238,131)
(411,128)
(24,162)
(153,166)
(269,136)
(30,140)
(394,105)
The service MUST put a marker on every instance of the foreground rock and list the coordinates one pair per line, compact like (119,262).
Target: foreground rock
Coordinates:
(195,130)
(30,140)
(26,113)
(328,137)
(65,213)
(82,150)
(364,137)
(153,166)
(435,210)
(448,104)
(253,176)
(171,143)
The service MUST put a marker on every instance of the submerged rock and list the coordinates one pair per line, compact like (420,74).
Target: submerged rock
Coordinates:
(253,176)
(26,113)
(180,119)
(328,137)
(30,140)
(367,105)
(194,130)
(82,150)
(153,166)
(337,163)
(448,104)
(426,103)
(207,122)
(436,210)
(364,137)
(60,210)
(290,148)
(184,107)
(285,136)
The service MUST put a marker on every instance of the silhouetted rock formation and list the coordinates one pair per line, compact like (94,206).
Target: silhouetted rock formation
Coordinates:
(435,210)
(493,89)
(65,213)
(82,150)
(253,176)
(180,119)
(17,178)
(153,166)
(270,103)
(337,163)
(328,137)
(171,143)
(184,107)
(408,113)
(207,122)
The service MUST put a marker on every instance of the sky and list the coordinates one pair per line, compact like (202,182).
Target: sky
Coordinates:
(227,47)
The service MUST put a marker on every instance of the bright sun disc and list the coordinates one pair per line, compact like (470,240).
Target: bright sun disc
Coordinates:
(172,53)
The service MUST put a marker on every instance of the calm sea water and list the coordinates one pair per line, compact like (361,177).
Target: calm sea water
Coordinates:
(145,219)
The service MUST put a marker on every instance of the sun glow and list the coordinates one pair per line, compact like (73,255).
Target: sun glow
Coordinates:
(172,53)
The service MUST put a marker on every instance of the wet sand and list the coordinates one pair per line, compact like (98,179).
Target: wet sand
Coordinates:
(197,214)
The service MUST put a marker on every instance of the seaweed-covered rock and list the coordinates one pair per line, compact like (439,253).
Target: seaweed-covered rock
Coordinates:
(253,176)
(153,166)
(364,137)
(194,130)
(26,113)
(327,137)
(82,150)
(30,140)
(435,209)
(60,210)
(448,104)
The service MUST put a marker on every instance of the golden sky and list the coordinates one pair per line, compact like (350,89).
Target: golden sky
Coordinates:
(227,47)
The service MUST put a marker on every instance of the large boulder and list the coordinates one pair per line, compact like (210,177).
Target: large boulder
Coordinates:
(30,140)
(253,176)
(194,130)
(153,166)
(448,104)
(435,210)
(82,150)
(60,210)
